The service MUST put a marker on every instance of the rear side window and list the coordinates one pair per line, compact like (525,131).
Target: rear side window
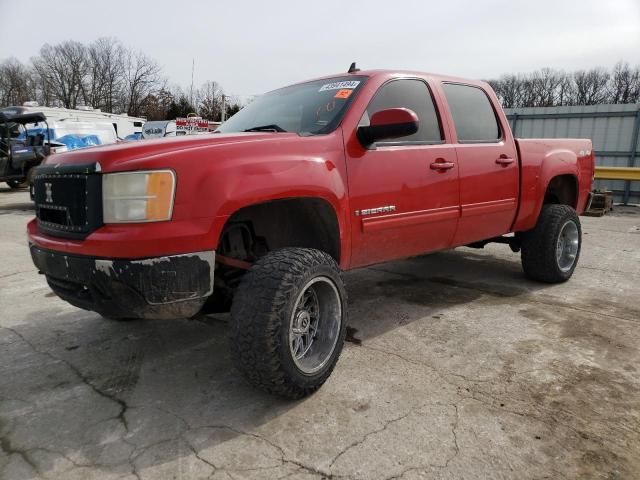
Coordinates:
(411,94)
(472,113)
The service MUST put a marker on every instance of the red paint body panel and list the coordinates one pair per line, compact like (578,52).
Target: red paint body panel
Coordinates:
(434,209)
(540,161)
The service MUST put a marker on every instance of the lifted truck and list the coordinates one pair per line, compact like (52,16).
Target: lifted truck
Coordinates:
(307,181)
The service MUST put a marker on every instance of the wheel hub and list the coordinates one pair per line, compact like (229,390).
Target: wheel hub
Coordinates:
(315,325)
(567,246)
(303,320)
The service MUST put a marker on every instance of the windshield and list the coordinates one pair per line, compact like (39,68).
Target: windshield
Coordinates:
(307,109)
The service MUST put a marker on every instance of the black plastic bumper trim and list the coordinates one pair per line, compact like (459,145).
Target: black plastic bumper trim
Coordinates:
(161,287)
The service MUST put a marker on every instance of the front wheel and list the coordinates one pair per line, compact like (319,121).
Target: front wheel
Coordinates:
(289,321)
(551,250)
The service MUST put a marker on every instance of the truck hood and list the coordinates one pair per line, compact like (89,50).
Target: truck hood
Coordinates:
(130,155)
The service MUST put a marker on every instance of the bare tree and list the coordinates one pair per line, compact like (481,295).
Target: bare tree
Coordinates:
(63,68)
(209,100)
(15,87)
(591,86)
(142,79)
(545,85)
(106,58)
(512,89)
(527,91)
(156,106)
(566,94)
(40,90)
(624,86)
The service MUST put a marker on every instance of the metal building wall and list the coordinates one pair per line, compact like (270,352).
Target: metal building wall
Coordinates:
(612,128)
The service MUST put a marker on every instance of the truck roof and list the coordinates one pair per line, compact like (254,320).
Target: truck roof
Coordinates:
(399,73)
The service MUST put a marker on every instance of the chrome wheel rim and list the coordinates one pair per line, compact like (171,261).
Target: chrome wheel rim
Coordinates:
(315,325)
(567,246)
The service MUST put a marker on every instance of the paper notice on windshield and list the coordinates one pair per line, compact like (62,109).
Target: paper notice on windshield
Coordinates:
(339,85)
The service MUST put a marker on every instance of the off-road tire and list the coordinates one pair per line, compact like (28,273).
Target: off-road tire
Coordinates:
(261,311)
(538,256)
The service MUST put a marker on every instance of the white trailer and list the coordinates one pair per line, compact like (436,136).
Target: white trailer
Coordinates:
(122,123)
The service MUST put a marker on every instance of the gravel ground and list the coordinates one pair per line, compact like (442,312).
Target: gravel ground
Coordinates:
(458,367)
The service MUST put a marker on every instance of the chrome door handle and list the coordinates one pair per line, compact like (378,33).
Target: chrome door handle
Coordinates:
(440,164)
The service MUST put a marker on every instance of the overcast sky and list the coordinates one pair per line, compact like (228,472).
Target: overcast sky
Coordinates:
(254,46)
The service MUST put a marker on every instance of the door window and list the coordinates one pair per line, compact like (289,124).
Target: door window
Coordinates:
(472,113)
(411,94)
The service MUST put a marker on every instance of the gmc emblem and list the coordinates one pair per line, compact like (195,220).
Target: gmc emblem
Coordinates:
(48,193)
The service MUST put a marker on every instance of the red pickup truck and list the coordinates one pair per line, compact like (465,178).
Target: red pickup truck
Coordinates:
(261,216)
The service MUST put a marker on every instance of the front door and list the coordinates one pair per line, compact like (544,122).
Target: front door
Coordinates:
(404,193)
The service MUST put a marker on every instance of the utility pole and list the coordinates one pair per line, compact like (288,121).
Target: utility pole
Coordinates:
(223,114)
(193,66)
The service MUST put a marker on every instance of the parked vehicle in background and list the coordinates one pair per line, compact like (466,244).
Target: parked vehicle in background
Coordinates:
(19,153)
(123,124)
(133,137)
(76,134)
(159,129)
(304,182)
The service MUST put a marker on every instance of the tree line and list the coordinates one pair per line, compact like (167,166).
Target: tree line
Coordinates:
(107,75)
(550,88)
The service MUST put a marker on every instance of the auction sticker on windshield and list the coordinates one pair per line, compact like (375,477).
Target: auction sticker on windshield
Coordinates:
(344,93)
(339,85)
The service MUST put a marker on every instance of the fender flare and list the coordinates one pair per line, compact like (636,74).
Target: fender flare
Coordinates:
(556,163)
(334,204)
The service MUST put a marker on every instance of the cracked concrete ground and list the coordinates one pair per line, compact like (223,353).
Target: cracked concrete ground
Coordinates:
(465,370)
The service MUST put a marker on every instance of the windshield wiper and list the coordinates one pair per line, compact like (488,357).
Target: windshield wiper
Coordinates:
(266,128)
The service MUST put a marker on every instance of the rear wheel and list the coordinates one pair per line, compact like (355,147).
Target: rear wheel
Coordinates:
(15,184)
(289,321)
(551,250)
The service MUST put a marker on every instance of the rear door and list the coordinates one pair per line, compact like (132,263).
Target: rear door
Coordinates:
(400,204)
(487,163)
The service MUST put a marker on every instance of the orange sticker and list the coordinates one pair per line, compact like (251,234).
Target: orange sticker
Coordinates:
(344,93)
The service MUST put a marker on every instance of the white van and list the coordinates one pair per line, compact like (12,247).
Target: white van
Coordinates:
(123,124)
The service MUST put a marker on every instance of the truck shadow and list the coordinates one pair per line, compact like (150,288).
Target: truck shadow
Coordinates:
(136,395)
(383,297)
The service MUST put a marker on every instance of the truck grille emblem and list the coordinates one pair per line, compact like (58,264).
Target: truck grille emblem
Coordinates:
(48,193)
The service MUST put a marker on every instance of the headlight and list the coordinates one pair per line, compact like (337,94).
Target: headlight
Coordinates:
(138,196)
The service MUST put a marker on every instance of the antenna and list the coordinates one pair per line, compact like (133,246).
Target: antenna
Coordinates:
(353,69)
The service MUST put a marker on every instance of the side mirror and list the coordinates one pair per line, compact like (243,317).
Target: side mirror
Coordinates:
(389,123)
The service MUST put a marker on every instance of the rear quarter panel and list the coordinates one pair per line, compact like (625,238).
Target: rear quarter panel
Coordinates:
(543,159)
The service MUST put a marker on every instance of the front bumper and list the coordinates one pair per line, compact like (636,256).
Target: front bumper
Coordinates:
(174,286)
